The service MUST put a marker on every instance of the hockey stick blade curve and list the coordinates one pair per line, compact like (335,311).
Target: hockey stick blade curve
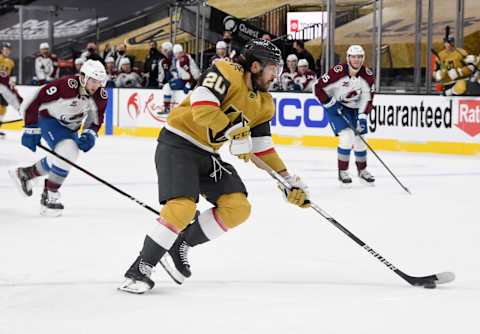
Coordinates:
(429,282)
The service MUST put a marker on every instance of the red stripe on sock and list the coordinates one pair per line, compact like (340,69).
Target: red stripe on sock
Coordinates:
(168,225)
(218,220)
(204,103)
(342,165)
(268,151)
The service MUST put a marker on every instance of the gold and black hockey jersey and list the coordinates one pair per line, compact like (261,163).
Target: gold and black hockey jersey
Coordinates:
(6,65)
(220,100)
(454,59)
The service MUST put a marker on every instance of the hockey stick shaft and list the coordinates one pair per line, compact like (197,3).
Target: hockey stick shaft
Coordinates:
(111,186)
(12,121)
(374,153)
(333,221)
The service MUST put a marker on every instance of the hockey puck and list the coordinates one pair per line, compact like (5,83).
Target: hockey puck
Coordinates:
(430,285)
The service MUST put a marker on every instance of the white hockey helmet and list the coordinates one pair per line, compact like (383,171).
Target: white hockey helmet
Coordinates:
(93,69)
(292,57)
(167,46)
(302,62)
(124,61)
(355,50)
(44,45)
(221,45)
(177,48)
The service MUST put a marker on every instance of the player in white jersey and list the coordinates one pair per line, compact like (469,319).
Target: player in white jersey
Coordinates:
(184,77)
(346,93)
(56,114)
(287,79)
(126,78)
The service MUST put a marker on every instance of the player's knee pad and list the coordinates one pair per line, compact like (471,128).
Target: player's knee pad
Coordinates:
(179,212)
(459,88)
(68,149)
(359,145)
(233,209)
(346,138)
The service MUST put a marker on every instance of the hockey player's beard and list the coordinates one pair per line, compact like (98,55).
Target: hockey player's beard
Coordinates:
(258,83)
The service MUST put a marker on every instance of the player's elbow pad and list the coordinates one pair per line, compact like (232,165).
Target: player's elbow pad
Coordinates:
(210,117)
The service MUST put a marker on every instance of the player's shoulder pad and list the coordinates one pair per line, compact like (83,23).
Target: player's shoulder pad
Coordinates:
(218,79)
(66,87)
(462,52)
(339,68)
(230,71)
(367,74)
(102,92)
(267,106)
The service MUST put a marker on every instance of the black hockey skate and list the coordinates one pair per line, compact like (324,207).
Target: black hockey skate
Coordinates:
(366,177)
(344,178)
(2,135)
(138,277)
(175,262)
(50,203)
(22,180)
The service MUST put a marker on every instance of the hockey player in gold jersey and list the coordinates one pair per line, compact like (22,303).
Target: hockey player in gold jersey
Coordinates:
(6,69)
(451,68)
(231,104)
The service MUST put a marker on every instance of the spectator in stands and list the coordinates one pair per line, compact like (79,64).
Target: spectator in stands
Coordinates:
(287,78)
(108,51)
(111,71)
(120,54)
(165,65)
(78,64)
(46,66)
(303,53)
(91,53)
(232,53)
(306,77)
(187,73)
(126,77)
(220,53)
(267,37)
(150,68)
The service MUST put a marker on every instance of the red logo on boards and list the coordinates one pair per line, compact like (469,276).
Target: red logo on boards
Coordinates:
(294,25)
(469,117)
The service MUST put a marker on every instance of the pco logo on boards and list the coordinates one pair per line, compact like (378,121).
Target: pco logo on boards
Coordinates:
(292,112)
(469,116)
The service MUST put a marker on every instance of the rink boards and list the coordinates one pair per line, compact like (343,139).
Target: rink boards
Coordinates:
(414,123)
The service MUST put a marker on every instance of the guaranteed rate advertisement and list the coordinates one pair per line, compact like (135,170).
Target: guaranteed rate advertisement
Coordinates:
(406,118)
(415,119)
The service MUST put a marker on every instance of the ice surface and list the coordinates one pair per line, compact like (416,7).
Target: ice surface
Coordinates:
(285,271)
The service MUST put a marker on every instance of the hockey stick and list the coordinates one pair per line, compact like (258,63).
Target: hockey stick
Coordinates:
(12,121)
(374,153)
(428,282)
(100,180)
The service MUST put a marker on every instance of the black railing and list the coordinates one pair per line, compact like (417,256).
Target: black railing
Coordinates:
(274,21)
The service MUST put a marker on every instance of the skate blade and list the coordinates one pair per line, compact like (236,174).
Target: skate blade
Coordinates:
(17,183)
(345,185)
(46,212)
(135,287)
(169,267)
(366,183)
